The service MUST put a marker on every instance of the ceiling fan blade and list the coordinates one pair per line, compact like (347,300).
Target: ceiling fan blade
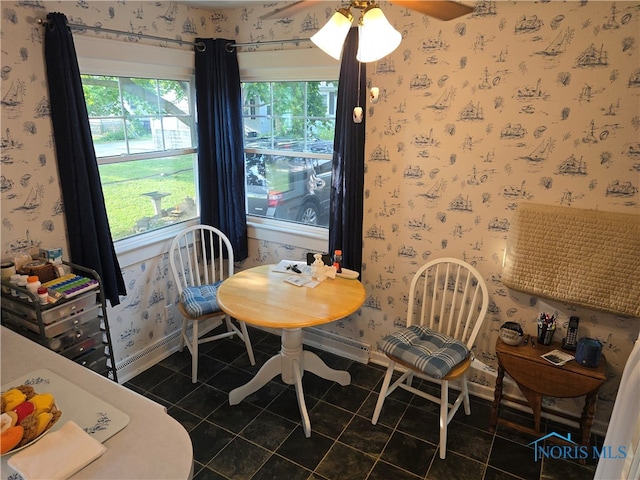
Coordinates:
(288,10)
(442,10)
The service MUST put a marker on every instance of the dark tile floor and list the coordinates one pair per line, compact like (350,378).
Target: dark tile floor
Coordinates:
(262,437)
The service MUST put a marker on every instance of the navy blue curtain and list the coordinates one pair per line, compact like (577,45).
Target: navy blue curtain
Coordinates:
(89,236)
(220,141)
(345,223)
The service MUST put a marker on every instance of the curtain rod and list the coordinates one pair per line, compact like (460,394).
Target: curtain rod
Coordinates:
(199,45)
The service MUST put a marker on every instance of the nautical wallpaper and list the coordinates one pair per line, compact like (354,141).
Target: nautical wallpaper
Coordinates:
(520,101)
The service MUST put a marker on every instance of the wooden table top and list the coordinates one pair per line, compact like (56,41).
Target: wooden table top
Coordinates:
(526,366)
(261,297)
(535,355)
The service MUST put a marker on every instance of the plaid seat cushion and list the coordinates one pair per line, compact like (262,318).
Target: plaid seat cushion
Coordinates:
(429,352)
(200,300)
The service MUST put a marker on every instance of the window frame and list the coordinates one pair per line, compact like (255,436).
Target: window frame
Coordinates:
(304,64)
(101,56)
(98,56)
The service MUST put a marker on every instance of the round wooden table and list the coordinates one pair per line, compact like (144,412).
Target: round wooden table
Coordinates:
(259,296)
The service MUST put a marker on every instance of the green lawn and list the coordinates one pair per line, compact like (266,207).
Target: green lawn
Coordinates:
(129,211)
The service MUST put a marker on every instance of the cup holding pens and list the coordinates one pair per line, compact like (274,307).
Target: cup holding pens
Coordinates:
(545,333)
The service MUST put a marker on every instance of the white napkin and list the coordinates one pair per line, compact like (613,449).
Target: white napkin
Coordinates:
(58,455)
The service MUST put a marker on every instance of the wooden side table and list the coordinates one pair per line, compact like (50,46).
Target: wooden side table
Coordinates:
(536,378)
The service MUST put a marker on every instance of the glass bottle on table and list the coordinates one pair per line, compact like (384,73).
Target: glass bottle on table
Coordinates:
(337,260)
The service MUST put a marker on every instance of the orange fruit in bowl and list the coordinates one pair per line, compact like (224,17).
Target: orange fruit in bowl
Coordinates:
(10,438)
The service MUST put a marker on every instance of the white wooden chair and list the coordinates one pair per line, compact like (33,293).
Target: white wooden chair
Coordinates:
(201,257)
(448,302)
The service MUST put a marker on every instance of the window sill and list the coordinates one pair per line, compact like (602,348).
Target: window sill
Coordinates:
(288,233)
(142,247)
(148,245)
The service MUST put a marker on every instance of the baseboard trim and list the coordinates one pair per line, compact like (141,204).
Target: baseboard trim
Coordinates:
(148,357)
(152,354)
(338,344)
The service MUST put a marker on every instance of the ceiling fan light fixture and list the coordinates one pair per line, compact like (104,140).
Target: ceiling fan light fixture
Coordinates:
(377,37)
(330,38)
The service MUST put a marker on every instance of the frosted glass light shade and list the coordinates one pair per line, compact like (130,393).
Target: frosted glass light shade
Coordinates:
(330,38)
(377,38)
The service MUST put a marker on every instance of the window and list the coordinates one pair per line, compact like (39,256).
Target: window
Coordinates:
(144,134)
(289,129)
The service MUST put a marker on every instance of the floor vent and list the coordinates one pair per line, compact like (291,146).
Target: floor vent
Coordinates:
(338,344)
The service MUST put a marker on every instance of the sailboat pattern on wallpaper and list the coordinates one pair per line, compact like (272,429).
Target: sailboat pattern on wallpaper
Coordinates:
(519,101)
(527,110)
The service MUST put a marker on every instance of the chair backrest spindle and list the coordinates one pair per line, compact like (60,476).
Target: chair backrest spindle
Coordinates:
(203,277)
(434,297)
(443,300)
(461,323)
(472,308)
(452,325)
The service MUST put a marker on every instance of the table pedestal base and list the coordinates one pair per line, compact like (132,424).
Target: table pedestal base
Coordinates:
(291,363)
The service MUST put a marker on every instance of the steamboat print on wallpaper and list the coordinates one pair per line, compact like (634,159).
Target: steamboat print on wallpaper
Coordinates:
(519,101)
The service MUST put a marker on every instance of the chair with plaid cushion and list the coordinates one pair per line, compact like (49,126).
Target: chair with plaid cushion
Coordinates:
(201,257)
(448,301)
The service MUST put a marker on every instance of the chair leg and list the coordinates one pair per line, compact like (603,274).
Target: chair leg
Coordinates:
(194,353)
(409,379)
(383,392)
(444,413)
(465,391)
(183,333)
(247,342)
(227,321)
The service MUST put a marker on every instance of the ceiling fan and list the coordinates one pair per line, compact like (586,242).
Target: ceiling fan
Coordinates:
(440,9)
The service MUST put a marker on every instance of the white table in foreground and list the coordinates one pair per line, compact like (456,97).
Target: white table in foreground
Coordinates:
(261,297)
(152,446)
